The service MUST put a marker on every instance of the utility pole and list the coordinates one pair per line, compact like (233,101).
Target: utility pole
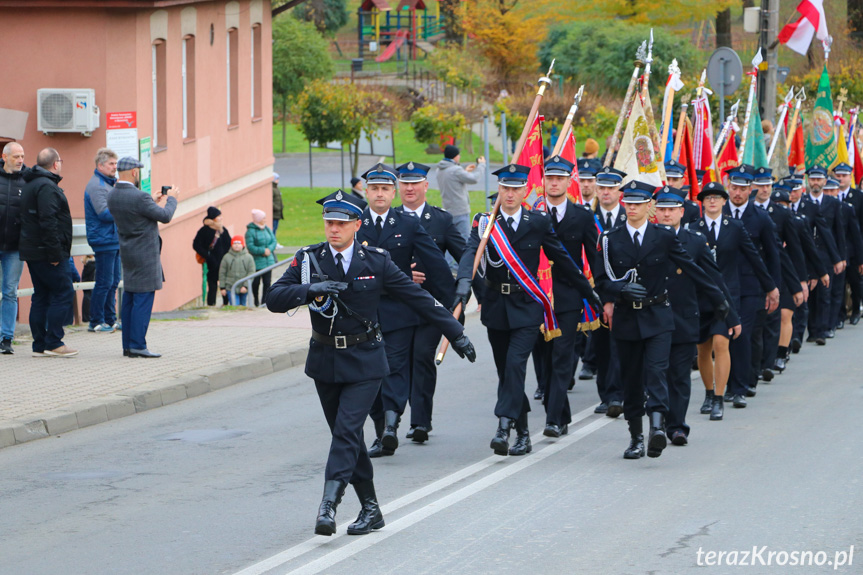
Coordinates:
(767,81)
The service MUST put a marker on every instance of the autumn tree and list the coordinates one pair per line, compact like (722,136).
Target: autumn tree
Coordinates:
(501,36)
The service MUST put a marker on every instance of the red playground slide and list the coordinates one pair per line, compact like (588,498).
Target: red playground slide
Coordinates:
(398,40)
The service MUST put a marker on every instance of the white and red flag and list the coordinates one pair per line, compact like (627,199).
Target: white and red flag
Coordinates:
(812,22)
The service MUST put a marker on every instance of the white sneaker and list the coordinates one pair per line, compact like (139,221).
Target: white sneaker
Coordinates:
(279,246)
(62,351)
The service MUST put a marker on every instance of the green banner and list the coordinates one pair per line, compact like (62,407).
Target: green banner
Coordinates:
(820,138)
(755,153)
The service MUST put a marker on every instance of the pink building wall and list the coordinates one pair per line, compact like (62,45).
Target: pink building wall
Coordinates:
(96,45)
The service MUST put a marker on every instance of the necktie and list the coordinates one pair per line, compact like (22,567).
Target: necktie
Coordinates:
(379,225)
(554,221)
(737,214)
(794,208)
(509,222)
(608,224)
(713,231)
(635,239)
(340,268)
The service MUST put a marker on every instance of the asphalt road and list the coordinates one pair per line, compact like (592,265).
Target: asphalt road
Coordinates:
(229,483)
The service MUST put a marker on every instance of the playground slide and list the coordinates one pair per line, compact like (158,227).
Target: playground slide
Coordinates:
(398,40)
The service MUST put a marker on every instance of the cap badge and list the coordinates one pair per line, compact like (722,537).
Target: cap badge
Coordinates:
(512,168)
(339,195)
(410,165)
(557,158)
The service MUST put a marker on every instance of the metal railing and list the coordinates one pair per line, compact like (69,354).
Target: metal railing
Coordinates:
(248,280)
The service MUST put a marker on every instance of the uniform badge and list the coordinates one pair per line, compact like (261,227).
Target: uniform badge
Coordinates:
(437,303)
(365,243)
(679,271)
(427,216)
(339,195)
(361,253)
(391,221)
(380,251)
(725,222)
(366,222)
(512,168)
(770,209)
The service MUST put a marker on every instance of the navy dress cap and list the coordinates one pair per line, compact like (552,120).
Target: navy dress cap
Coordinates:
(831,184)
(557,166)
(512,176)
(740,176)
(843,168)
(636,192)
(413,172)
(586,169)
(669,197)
(674,169)
(342,207)
(817,171)
(712,189)
(609,177)
(380,174)
(763,176)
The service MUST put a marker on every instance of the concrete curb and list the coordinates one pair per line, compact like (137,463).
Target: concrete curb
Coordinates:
(148,396)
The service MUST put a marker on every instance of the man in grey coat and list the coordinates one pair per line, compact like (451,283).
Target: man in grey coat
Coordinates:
(453,181)
(137,216)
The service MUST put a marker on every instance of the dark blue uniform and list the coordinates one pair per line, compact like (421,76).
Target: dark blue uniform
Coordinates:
(439,225)
(830,241)
(854,197)
(406,240)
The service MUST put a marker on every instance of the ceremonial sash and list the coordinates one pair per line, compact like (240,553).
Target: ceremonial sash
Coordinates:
(524,278)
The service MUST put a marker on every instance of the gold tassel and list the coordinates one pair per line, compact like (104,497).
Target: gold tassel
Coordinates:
(590,326)
(550,335)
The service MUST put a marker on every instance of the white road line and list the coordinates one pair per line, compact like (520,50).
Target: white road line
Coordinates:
(289,554)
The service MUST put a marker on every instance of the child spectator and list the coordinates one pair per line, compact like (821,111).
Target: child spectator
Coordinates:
(236,264)
(73,275)
(88,274)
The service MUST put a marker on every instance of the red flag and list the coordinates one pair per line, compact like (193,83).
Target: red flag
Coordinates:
(797,148)
(688,159)
(858,162)
(727,157)
(702,140)
(532,156)
(573,192)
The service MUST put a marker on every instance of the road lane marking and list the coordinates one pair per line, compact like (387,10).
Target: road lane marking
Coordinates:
(311,544)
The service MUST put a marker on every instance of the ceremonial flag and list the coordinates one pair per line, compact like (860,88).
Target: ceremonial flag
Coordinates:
(573,192)
(797,149)
(636,155)
(688,159)
(673,85)
(812,22)
(727,157)
(858,163)
(849,139)
(702,138)
(755,153)
(841,149)
(532,157)
(821,139)
(779,160)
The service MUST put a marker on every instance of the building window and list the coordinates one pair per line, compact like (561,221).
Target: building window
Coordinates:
(160,119)
(188,87)
(256,71)
(233,77)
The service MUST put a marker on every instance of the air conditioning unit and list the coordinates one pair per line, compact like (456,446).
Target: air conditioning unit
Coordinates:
(67,110)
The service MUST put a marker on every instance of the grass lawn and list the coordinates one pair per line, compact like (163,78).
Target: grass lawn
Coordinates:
(303,224)
(407,148)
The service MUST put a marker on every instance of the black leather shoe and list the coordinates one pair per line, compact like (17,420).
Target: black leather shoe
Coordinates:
(636,440)
(370,517)
(795,346)
(390,437)
(708,402)
(679,438)
(601,408)
(571,384)
(820,341)
(551,430)
(615,409)
(538,394)
(717,409)
(750,392)
(420,434)
(840,325)
(586,373)
(410,433)
(831,333)
(738,401)
(728,397)
(855,319)
(326,522)
(779,364)
(500,441)
(656,441)
(810,339)
(143,353)
(522,444)
(125,353)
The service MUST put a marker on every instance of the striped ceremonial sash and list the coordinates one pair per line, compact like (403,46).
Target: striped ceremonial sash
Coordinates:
(525,279)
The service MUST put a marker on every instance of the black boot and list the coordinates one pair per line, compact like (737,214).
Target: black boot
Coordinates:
(636,441)
(657,441)
(390,437)
(522,437)
(370,517)
(326,523)
(717,410)
(500,442)
(377,448)
(708,401)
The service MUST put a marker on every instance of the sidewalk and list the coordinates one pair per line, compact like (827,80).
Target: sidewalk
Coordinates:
(201,351)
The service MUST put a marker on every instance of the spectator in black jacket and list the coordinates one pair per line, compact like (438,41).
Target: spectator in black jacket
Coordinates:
(211,243)
(11,184)
(46,240)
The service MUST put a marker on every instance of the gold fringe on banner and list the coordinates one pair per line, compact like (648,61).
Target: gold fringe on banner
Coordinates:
(590,326)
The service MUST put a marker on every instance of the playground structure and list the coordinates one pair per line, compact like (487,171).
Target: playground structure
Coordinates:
(409,23)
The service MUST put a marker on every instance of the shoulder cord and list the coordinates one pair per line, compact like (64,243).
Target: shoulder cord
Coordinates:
(631,275)
(328,303)
(483,224)
(334,301)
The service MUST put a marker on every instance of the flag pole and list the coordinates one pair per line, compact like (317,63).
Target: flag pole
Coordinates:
(673,72)
(788,97)
(756,61)
(544,83)
(726,128)
(681,122)
(640,57)
(645,97)
(792,128)
(567,124)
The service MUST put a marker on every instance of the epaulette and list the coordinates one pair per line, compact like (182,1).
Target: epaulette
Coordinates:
(583,207)
(311,248)
(612,230)
(696,232)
